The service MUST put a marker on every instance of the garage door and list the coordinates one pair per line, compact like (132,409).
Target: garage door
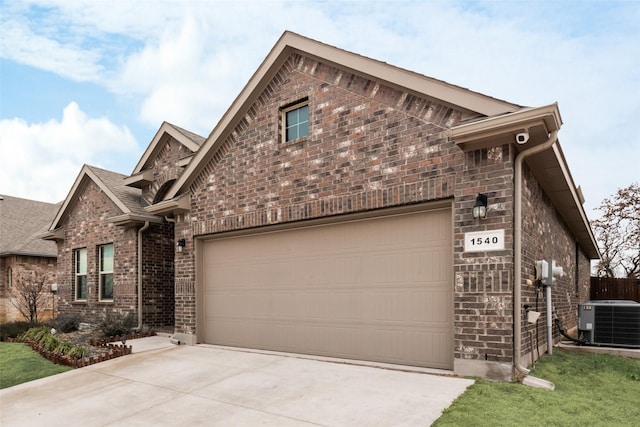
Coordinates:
(375,289)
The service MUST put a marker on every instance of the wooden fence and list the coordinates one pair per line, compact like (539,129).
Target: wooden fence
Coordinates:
(613,288)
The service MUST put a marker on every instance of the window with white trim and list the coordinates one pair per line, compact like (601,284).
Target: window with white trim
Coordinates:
(296,121)
(81,274)
(106,272)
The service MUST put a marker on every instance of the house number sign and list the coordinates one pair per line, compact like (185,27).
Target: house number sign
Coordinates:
(481,241)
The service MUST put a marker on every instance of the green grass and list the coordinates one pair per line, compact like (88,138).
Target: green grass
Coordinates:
(591,390)
(19,364)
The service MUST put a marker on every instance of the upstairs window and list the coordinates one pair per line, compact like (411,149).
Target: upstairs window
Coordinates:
(296,121)
(106,272)
(81,274)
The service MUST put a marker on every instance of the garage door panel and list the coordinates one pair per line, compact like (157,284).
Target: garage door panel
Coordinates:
(377,289)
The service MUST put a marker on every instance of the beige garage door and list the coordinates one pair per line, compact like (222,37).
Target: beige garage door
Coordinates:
(375,289)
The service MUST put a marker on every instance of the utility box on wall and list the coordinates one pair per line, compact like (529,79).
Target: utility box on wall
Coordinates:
(547,271)
(613,323)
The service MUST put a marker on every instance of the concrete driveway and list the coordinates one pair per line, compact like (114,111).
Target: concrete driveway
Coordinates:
(162,384)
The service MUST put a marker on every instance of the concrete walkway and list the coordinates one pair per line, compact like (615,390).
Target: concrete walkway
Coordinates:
(163,384)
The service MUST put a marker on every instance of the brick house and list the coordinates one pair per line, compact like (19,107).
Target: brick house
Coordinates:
(114,257)
(23,255)
(331,212)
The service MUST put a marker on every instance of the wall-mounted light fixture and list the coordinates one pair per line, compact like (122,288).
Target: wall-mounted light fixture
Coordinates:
(480,208)
(180,244)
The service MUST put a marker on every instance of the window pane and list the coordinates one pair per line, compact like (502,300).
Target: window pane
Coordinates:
(81,287)
(106,286)
(303,129)
(106,258)
(292,133)
(81,261)
(297,123)
(303,114)
(292,118)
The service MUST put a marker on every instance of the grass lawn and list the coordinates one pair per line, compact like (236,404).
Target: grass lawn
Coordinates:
(591,390)
(19,364)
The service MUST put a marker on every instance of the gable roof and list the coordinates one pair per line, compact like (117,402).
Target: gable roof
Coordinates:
(290,43)
(127,199)
(21,222)
(189,139)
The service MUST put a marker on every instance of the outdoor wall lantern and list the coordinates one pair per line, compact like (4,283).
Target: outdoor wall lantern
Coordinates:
(180,244)
(480,208)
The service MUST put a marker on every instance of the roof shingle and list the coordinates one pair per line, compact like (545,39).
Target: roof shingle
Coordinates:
(21,221)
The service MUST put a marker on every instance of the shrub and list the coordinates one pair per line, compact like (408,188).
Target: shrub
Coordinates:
(77,352)
(63,347)
(66,323)
(114,324)
(49,342)
(14,329)
(35,334)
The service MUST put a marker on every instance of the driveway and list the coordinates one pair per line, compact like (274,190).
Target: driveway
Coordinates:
(162,384)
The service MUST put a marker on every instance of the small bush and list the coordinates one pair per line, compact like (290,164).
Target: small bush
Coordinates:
(63,347)
(14,329)
(66,323)
(114,324)
(77,352)
(49,342)
(35,334)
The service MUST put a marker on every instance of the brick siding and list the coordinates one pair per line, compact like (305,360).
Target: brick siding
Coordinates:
(87,226)
(373,146)
(15,265)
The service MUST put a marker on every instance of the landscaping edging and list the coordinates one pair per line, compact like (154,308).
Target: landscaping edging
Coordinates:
(114,350)
(61,359)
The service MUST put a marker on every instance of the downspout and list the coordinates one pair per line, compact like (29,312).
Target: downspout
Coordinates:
(517,242)
(142,229)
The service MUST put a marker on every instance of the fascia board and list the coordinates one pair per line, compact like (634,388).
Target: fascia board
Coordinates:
(130,219)
(139,179)
(108,191)
(154,145)
(577,197)
(88,173)
(547,116)
(176,205)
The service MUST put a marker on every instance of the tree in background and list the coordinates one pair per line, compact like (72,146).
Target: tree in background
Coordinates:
(618,234)
(29,297)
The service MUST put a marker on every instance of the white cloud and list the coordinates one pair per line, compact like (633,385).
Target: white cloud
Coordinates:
(185,62)
(41,160)
(23,46)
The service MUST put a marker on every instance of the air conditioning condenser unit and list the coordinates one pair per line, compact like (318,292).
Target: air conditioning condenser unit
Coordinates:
(614,323)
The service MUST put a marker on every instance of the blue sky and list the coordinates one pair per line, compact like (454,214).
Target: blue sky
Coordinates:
(91,81)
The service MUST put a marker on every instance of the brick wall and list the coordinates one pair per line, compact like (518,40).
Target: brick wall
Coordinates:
(483,280)
(157,276)
(546,236)
(370,146)
(165,168)
(87,227)
(17,266)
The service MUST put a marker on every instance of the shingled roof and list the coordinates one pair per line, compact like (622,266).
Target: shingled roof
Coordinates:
(127,199)
(21,222)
